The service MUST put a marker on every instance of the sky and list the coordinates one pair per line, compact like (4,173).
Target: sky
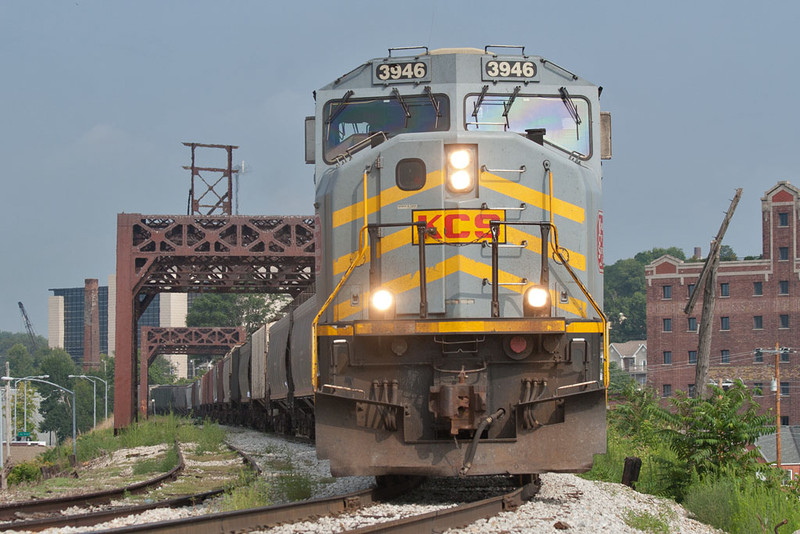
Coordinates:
(97,96)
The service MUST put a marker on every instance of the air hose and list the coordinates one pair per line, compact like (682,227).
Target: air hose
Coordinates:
(474,445)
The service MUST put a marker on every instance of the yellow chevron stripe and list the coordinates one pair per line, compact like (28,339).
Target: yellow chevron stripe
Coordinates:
(401,238)
(387,197)
(389,242)
(457,263)
(529,196)
(576,260)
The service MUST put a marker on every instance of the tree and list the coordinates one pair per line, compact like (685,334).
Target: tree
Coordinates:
(227,309)
(160,372)
(709,434)
(618,379)
(56,407)
(726,253)
(625,294)
(20,361)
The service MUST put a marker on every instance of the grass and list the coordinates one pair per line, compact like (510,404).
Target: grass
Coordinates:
(738,503)
(158,465)
(647,522)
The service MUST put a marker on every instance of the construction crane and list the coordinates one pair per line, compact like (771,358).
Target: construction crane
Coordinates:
(28,326)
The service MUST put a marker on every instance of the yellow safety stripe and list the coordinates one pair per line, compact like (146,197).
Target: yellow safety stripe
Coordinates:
(401,327)
(402,238)
(386,197)
(515,235)
(452,265)
(530,196)
(585,328)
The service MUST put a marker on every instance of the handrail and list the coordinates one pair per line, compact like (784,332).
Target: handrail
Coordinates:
(361,253)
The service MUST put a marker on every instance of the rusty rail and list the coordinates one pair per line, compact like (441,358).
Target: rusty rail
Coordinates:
(11,511)
(268,516)
(456,517)
(101,516)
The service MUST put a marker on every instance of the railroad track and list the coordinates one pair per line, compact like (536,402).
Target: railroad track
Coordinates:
(270,516)
(11,511)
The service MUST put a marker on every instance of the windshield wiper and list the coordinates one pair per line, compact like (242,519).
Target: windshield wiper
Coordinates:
(435,104)
(340,107)
(399,98)
(480,101)
(507,105)
(573,111)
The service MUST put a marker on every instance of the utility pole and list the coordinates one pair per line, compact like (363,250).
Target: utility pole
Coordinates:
(708,281)
(778,351)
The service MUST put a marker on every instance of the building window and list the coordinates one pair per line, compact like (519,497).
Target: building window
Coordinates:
(691,289)
(785,422)
(666,291)
(692,390)
(759,356)
(667,390)
(784,321)
(667,325)
(783,253)
(725,356)
(725,289)
(667,357)
(758,288)
(692,356)
(758,389)
(725,323)
(783,219)
(692,324)
(758,322)
(784,354)
(783,287)
(784,389)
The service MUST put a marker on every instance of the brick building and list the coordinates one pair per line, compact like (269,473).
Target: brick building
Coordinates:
(757,306)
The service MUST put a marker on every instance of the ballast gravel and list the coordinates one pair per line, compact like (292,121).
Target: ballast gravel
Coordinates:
(565,503)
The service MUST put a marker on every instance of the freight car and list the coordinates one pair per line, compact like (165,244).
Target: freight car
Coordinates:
(457,326)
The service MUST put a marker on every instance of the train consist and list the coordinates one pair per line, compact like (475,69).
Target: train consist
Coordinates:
(457,325)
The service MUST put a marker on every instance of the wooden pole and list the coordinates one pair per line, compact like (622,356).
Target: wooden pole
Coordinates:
(778,403)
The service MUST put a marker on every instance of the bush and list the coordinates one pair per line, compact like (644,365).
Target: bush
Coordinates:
(25,472)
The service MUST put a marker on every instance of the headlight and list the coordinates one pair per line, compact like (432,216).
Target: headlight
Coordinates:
(459,159)
(537,297)
(536,302)
(382,300)
(461,168)
(460,181)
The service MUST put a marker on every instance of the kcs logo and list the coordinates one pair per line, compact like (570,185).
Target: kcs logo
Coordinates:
(459,225)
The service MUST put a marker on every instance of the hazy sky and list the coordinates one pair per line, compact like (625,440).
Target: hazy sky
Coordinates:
(97,96)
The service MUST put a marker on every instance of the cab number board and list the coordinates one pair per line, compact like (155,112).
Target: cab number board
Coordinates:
(410,71)
(500,68)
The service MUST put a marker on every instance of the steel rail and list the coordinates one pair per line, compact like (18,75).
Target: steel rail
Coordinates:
(11,511)
(268,516)
(456,517)
(102,516)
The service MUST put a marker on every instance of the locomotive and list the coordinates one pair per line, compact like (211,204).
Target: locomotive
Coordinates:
(457,324)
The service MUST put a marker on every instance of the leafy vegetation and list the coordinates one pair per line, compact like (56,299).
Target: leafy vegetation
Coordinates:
(625,294)
(250,311)
(697,452)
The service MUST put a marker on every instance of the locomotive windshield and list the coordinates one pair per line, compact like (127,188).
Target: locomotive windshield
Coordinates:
(563,127)
(350,122)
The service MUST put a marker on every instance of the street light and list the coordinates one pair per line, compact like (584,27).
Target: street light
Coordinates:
(24,402)
(94,392)
(74,432)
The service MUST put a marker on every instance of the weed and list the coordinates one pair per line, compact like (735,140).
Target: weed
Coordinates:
(646,522)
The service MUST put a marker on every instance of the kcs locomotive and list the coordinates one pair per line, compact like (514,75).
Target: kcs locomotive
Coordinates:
(457,324)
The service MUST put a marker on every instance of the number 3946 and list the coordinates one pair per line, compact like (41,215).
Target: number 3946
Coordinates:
(401,71)
(510,69)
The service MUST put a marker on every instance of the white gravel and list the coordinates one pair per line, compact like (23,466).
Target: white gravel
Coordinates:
(565,503)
